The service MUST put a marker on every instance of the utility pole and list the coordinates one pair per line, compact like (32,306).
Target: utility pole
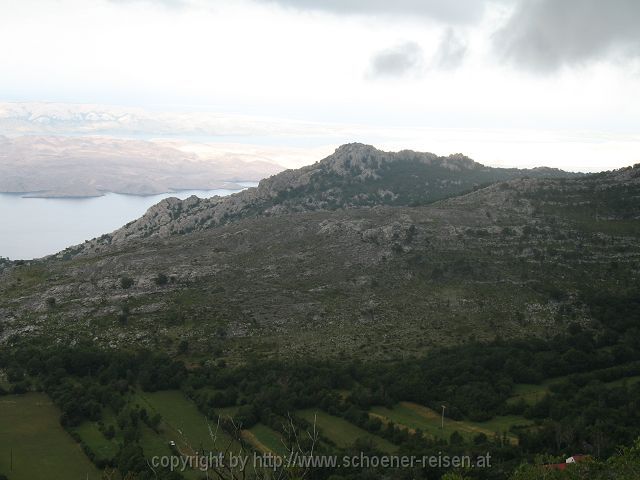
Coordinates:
(442,424)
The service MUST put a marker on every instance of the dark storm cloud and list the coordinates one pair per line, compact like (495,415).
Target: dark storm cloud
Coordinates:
(454,11)
(399,61)
(545,35)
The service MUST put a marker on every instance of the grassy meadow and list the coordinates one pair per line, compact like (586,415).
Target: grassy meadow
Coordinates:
(183,423)
(90,434)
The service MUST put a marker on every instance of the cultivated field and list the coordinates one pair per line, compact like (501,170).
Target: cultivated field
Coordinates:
(417,417)
(341,432)
(30,432)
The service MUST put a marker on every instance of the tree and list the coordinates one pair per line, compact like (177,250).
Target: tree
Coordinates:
(456,438)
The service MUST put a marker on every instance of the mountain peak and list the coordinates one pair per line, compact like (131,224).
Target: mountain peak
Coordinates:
(355,147)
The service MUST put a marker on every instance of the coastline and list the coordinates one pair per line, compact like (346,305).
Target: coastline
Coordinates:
(67,195)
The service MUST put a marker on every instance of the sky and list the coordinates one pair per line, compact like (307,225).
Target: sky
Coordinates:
(506,82)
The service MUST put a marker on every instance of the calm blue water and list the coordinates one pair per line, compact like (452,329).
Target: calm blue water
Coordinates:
(35,227)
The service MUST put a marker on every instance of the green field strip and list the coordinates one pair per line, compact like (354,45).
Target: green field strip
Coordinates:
(343,433)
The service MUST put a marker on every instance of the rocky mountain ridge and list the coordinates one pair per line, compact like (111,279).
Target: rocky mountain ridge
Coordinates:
(356,175)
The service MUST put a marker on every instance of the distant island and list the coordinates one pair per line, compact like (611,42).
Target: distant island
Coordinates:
(59,166)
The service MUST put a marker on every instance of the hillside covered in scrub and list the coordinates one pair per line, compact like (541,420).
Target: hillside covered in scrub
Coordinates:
(360,254)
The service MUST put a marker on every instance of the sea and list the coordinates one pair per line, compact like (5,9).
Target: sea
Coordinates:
(35,227)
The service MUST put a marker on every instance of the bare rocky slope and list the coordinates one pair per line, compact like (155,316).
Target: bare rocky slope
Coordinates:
(363,277)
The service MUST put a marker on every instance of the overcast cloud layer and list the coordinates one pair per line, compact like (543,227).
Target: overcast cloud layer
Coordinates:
(562,75)
(458,11)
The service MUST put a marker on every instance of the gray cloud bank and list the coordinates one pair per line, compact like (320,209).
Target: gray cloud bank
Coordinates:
(408,59)
(398,61)
(458,11)
(540,35)
(451,51)
(545,35)
(163,3)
